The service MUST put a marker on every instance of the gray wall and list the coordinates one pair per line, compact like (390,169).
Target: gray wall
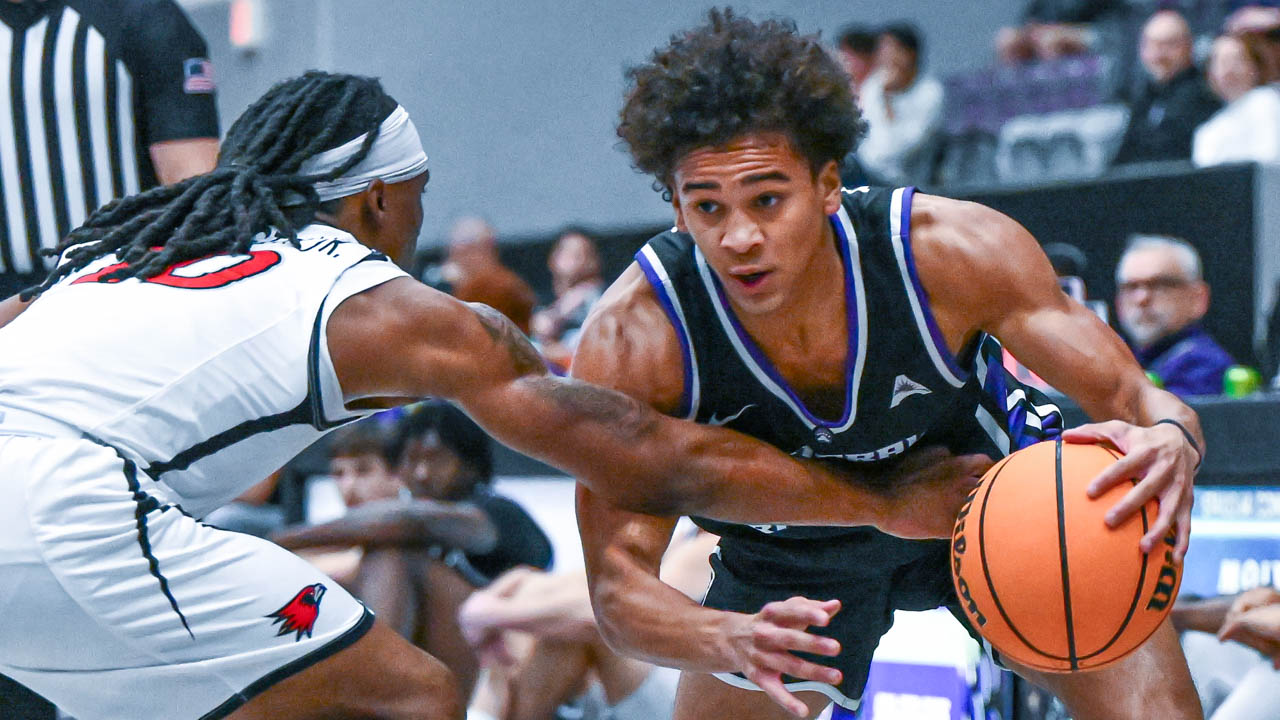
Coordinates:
(516,101)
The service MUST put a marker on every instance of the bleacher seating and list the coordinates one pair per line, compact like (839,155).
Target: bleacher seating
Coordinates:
(991,133)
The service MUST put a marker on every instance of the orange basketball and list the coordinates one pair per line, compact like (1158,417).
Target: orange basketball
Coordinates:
(1042,577)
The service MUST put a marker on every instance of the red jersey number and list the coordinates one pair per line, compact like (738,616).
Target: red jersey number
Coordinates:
(188,274)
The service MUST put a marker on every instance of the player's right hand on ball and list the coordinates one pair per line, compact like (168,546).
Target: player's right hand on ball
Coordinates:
(762,646)
(927,490)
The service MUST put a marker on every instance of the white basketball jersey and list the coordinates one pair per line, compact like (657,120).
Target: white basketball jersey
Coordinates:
(211,375)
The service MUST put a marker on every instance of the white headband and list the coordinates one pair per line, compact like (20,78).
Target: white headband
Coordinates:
(396,155)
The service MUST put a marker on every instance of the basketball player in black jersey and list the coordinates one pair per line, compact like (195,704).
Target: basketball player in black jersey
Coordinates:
(858,325)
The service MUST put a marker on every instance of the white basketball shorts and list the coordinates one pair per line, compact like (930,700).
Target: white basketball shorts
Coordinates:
(115,605)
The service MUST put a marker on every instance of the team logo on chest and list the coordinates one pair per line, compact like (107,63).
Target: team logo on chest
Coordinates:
(903,388)
(299,614)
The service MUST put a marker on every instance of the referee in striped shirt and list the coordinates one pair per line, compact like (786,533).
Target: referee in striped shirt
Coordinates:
(98,99)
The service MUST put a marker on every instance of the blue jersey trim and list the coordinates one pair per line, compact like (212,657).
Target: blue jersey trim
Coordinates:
(682,333)
(1017,411)
(850,362)
(939,342)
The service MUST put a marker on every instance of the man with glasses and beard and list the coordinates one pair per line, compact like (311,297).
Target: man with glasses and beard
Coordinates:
(1160,299)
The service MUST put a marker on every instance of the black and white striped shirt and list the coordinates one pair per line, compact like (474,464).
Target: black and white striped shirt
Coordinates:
(86,87)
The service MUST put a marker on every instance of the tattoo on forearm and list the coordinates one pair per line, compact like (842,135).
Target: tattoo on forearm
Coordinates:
(523,355)
(624,417)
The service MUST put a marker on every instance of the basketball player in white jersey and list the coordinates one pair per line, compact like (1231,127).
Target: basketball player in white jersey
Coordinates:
(191,341)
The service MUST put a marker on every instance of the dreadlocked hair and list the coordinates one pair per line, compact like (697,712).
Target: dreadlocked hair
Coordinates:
(256,187)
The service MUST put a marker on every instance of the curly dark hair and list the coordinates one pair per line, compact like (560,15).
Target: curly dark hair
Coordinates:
(733,76)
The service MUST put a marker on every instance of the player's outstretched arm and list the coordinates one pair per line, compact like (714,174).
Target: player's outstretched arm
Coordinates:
(405,340)
(1020,303)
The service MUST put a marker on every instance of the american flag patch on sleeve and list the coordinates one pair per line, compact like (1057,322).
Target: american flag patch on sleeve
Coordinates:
(197,76)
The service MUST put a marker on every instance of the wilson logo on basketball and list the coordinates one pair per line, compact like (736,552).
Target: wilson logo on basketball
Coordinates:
(1167,581)
(299,614)
(958,545)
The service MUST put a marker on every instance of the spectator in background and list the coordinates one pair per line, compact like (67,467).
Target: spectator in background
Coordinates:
(538,638)
(575,277)
(1172,100)
(70,147)
(1247,129)
(1252,17)
(425,555)
(856,49)
(902,108)
(1161,297)
(1052,29)
(1234,681)
(1254,620)
(362,463)
(473,272)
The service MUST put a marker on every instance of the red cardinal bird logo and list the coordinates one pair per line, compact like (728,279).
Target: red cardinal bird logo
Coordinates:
(299,614)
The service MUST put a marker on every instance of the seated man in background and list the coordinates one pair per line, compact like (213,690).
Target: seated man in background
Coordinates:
(422,556)
(902,107)
(362,466)
(1172,101)
(537,637)
(1233,680)
(1161,297)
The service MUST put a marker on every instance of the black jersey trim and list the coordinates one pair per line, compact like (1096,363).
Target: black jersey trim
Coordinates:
(315,388)
(143,505)
(262,684)
(300,414)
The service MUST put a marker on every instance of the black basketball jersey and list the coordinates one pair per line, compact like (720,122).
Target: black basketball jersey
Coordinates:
(903,387)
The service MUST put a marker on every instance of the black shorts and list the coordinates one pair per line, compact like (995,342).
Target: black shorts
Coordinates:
(877,575)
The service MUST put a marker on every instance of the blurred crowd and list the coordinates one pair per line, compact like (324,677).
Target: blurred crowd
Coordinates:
(1077,88)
